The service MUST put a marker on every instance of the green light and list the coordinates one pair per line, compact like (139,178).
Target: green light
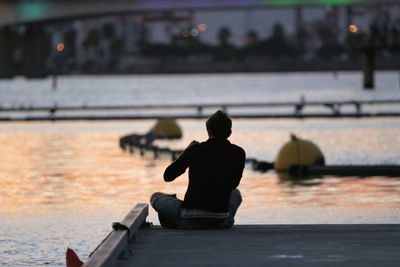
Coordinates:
(337,2)
(280,2)
(326,3)
(32,9)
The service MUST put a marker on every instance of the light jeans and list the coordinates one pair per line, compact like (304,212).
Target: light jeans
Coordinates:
(168,208)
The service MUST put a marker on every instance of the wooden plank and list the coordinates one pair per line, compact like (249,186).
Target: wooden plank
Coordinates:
(269,245)
(116,243)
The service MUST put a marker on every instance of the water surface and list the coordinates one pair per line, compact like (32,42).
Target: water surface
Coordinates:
(63,183)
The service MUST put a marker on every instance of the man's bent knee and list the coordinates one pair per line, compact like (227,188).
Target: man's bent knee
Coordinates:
(236,191)
(154,197)
(236,194)
(234,203)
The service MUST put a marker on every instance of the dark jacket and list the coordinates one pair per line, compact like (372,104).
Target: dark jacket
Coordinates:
(215,169)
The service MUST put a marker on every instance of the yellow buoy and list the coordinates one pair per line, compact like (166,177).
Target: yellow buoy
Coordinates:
(167,129)
(298,152)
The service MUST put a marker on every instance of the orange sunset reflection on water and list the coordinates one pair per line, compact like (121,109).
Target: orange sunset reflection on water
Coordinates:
(62,184)
(54,169)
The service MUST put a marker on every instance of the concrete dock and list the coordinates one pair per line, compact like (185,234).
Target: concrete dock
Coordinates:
(268,245)
(130,245)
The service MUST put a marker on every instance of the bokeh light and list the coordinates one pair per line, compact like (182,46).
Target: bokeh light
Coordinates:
(353,28)
(60,47)
(194,32)
(202,27)
(185,33)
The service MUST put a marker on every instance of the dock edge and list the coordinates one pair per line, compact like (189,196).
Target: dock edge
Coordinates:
(115,243)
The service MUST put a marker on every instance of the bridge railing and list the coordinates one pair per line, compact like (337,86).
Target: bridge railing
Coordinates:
(347,108)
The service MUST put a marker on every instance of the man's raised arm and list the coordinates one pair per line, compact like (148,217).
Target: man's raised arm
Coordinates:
(179,166)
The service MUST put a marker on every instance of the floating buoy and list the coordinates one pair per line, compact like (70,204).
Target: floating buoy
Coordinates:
(298,152)
(167,129)
(163,129)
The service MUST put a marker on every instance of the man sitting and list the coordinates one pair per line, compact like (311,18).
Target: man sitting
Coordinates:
(215,169)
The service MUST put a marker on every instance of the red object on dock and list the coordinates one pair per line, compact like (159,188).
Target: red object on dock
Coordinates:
(73,259)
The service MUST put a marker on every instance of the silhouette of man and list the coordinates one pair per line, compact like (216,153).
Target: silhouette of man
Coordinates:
(215,169)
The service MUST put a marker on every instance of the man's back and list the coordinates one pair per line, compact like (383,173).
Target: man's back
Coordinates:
(215,169)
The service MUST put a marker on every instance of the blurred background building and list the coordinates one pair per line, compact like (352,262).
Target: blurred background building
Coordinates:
(40,38)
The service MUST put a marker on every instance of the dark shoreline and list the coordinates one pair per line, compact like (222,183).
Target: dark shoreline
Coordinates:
(158,66)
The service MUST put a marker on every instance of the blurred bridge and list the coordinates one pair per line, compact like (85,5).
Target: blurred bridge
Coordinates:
(26,50)
(24,11)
